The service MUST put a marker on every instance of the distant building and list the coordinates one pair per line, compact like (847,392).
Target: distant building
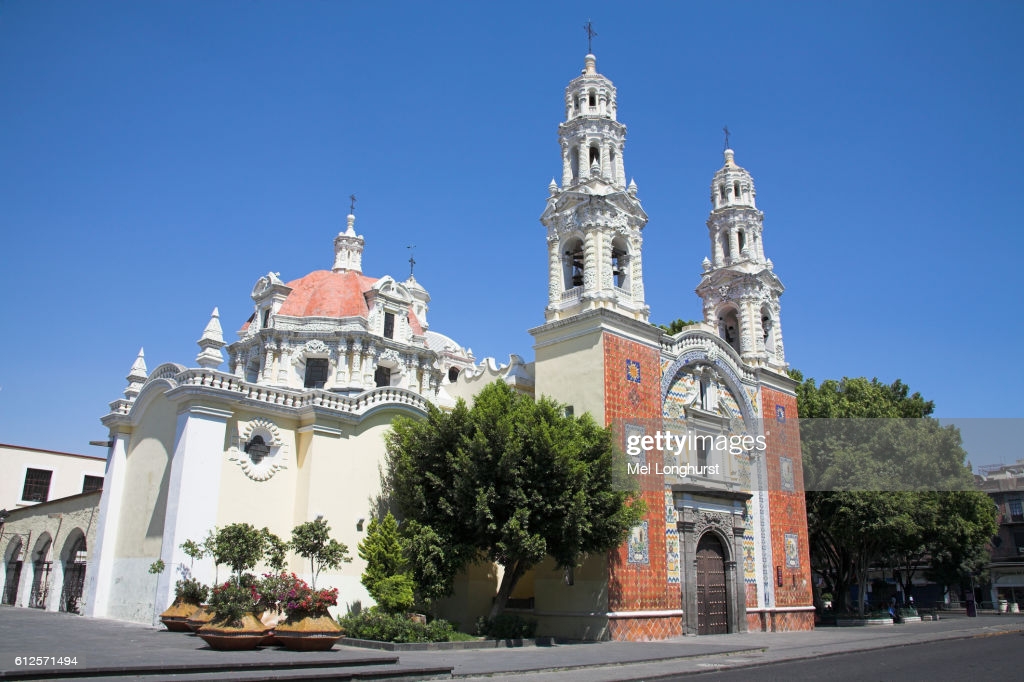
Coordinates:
(50,504)
(1005,484)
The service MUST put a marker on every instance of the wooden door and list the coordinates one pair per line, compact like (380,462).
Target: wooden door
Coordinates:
(712,606)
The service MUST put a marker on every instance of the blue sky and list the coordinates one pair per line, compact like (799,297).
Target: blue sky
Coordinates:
(157,158)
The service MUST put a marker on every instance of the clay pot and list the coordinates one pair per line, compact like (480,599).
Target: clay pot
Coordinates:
(248,635)
(177,614)
(308,631)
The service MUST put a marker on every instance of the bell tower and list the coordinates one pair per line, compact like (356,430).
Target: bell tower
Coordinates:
(594,220)
(739,288)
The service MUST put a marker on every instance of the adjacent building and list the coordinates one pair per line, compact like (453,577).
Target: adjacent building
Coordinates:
(50,502)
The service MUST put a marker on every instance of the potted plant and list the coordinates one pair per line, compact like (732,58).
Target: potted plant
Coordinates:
(234,624)
(189,593)
(308,626)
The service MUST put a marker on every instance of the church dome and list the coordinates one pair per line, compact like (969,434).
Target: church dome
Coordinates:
(324,293)
(732,185)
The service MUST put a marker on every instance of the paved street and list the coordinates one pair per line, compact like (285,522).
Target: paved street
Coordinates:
(110,647)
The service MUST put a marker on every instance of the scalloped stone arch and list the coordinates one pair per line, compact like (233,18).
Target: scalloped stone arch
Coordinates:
(716,358)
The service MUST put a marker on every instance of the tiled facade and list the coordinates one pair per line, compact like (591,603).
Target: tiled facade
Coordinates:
(792,570)
(632,397)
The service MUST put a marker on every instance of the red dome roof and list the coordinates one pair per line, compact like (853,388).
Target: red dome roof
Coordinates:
(328,294)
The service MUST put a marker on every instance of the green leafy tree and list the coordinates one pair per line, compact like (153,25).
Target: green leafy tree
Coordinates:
(210,549)
(275,550)
(676,326)
(312,540)
(240,546)
(387,577)
(880,474)
(511,480)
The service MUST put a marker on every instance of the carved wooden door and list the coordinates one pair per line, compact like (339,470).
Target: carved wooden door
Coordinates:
(712,609)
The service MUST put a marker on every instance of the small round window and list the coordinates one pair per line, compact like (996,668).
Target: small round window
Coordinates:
(257,449)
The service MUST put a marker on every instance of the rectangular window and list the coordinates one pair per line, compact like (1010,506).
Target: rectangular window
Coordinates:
(382,377)
(702,452)
(389,325)
(316,372)
(37,485)
(1016,510)
(91,483)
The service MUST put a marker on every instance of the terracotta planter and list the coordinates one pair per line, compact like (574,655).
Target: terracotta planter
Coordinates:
(248,635)
(175,618)
(199,618)
(308,632)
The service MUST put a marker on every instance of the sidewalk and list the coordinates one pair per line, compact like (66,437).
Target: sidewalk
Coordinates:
(116,650)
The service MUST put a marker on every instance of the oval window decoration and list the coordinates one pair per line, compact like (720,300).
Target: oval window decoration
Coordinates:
(260,451)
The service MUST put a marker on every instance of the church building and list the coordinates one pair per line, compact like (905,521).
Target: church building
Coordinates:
(287,423)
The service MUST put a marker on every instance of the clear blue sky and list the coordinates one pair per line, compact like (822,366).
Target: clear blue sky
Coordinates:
(156,158)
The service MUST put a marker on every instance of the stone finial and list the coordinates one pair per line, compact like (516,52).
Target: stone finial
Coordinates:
(706,264)
(730,158)
(553,187)
(137,376)
(632,187)
(210,343)
(348,249)
(590,67)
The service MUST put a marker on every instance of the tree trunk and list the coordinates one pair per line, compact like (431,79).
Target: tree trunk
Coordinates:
(508,583)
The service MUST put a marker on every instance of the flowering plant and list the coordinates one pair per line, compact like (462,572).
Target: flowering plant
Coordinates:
(272,590)
(300,597)
(233,599)
(190,591)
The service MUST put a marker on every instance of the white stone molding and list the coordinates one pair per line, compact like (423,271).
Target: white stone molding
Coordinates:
(273,462)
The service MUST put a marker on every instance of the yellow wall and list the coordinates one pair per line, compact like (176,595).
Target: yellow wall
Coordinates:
(572,372)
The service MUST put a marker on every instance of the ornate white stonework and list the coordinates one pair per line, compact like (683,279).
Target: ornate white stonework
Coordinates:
(269,464)
(594,221)
(739,289)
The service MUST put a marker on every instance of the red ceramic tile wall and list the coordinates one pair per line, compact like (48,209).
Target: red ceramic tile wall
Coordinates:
(644,629)
(788,511)
(632,394)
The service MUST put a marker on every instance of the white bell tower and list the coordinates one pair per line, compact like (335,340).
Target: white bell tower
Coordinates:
(739,289)
(594,220)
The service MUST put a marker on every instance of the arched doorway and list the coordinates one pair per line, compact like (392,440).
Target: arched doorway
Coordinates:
(74,576)
(12,578)
(41,569)
(712,599)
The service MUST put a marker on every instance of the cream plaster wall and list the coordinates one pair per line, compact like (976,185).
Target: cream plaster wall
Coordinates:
(474,588)
(572,371)
(69,471)
(574,611)
(142,508)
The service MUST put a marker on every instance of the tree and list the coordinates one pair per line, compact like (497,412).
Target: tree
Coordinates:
(511,480)
(240,546)
(676,326)
(882,481)
(386,577)
(312,540)
(275,549)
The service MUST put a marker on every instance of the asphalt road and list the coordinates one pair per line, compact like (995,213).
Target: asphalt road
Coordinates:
(986,657)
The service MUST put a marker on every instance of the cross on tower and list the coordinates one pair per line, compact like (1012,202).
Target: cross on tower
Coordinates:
(352,206)
(591,34)
(726,131)
(412,259)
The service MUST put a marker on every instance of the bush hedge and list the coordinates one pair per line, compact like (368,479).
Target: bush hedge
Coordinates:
(392,627)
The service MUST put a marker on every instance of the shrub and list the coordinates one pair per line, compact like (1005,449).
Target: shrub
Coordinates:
(190,591)
(232,600)
(506,626)
(378,625)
